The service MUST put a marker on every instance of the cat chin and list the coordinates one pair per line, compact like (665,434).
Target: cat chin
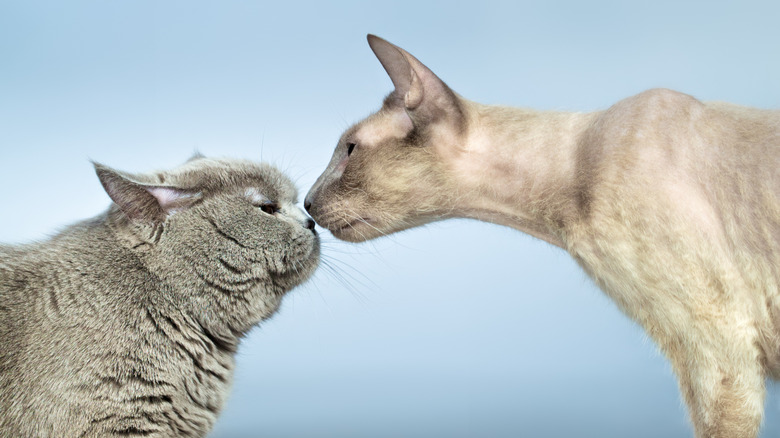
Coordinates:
(304,270)
(364,229)
(358,230)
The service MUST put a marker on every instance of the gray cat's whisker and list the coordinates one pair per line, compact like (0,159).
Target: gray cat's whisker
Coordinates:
(343,269)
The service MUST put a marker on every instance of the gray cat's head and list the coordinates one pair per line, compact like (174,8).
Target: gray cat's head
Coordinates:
(224,235)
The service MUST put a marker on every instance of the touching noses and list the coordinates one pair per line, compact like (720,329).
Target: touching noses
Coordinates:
(309,221)
(308,201)
(302,218)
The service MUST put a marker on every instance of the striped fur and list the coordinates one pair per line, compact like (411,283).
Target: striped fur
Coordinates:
(127,324)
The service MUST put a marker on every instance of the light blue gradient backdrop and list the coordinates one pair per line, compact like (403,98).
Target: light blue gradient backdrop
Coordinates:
(458,329)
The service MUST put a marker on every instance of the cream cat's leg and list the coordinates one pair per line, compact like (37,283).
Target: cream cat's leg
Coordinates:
(721,380)
(699,313)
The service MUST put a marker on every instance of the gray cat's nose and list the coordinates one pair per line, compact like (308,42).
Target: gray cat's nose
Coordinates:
(307,205)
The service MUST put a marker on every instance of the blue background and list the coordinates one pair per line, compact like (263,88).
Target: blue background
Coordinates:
(458,329)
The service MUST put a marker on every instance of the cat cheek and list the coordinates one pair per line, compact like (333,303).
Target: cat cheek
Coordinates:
(342,165)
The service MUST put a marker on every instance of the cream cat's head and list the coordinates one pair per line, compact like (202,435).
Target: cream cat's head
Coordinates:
(391,171)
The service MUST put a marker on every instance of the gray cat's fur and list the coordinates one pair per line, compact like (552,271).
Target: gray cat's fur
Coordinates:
(127,324)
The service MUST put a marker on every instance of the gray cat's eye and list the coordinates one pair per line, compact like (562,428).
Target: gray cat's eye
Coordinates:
(269,207)
(350,148)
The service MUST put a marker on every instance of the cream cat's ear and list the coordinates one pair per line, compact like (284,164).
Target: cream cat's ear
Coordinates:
(139,201)
(424,96)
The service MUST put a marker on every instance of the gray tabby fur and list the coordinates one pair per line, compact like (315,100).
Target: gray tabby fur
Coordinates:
(127,324)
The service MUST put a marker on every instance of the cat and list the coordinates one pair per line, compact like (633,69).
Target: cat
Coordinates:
(127,324)
(671,205)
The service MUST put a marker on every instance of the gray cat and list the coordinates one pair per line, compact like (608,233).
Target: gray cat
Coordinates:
(127,324)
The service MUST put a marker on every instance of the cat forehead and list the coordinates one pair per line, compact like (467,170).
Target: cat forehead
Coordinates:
(380,127)
(220,175)
(258,196)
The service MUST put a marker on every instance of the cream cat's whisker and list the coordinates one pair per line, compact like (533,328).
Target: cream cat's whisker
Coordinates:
(352,215)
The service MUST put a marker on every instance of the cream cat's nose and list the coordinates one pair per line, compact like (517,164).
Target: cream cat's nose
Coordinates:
(310,224)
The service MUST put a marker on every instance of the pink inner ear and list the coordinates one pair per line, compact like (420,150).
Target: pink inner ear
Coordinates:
(169,198)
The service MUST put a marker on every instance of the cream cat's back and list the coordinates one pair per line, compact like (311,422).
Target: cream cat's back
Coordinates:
(692,177)
(706,161)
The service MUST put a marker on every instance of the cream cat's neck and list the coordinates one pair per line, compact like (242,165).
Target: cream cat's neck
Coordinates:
(517,168)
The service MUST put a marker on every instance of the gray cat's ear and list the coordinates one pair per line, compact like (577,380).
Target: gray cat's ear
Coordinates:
(144,202)
(196,156)
(424,96)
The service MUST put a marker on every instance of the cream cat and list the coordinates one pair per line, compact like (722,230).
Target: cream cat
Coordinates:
(670,204)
